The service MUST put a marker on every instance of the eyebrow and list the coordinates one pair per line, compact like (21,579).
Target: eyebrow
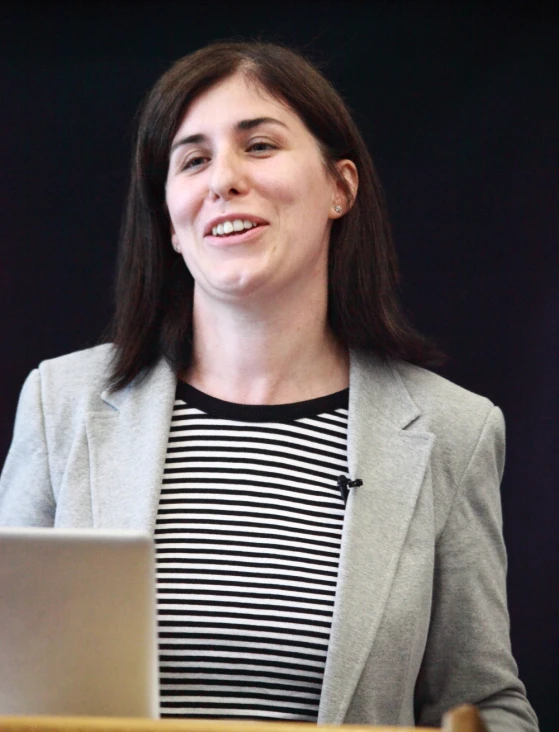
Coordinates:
(244,124)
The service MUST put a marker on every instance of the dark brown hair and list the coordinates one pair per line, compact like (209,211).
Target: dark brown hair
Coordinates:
(154,290)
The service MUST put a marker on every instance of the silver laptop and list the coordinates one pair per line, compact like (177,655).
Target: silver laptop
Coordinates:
(77,623)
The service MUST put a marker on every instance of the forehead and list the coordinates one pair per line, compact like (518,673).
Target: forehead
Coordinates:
(233,99)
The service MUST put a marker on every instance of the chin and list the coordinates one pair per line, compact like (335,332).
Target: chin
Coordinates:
(238,285)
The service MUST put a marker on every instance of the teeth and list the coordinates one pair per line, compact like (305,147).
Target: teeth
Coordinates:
(228,227)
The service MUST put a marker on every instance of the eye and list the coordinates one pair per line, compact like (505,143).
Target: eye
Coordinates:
(194,162)
(260,146)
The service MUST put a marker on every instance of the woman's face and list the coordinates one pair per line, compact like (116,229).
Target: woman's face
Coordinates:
(249,197)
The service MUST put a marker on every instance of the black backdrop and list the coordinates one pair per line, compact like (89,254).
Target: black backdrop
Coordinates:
(459,103)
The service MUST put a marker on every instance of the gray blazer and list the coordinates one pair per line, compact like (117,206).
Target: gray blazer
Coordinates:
(420,619)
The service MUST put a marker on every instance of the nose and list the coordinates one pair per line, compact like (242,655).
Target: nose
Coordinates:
(227,177)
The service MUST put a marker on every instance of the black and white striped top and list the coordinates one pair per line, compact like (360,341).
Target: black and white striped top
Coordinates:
(248,538)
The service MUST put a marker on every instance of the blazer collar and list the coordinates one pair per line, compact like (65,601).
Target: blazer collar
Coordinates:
(160,380)
(378,387)
(391,461)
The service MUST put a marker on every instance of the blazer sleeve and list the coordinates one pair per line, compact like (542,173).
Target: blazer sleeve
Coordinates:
(468,655)
(26,494)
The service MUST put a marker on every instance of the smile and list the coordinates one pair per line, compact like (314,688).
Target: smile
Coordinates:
(244,236)
(233,224)
(232,227)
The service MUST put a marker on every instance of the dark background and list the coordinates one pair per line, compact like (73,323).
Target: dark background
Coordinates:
(459,103)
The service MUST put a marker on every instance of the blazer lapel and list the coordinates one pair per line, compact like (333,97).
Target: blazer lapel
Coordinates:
(127,435)
(392,463)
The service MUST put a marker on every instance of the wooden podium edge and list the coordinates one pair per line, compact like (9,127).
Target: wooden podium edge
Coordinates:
(135,724)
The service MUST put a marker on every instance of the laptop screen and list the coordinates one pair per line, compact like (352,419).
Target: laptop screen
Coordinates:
(78,629)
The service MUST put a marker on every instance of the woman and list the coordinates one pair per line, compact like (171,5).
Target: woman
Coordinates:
(326,511)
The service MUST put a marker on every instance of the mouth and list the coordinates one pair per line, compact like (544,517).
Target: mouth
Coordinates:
(234,229)
(235,237)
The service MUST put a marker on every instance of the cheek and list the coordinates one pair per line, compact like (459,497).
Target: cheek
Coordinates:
(289,180)
(295,197)
(276,186)
(309,186)
(181,205)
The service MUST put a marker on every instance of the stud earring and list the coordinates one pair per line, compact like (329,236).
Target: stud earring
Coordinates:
(337,209)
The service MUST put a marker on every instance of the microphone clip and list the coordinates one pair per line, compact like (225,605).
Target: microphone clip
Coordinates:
(344,484)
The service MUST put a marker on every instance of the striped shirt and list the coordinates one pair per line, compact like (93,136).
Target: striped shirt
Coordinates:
(248,539)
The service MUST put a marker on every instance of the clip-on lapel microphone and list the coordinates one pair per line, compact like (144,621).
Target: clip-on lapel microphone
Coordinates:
(344,484)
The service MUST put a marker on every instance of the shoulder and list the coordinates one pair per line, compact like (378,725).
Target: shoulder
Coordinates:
(77,372)
(459,418)
(90,362)
(417,400)
(61,388)
(441,401)
(467,427)
(55,399)
(76,384)
(405,393)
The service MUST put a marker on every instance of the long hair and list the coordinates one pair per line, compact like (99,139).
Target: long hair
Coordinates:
(154,288)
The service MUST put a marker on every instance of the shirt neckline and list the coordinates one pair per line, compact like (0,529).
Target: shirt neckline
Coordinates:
(215,407)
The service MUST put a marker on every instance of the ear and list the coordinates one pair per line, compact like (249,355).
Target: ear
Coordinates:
(174,239)
(348,171)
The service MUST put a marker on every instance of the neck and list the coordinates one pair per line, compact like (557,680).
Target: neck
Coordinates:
(266,354)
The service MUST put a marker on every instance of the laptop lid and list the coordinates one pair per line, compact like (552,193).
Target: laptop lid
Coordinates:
(78,631)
